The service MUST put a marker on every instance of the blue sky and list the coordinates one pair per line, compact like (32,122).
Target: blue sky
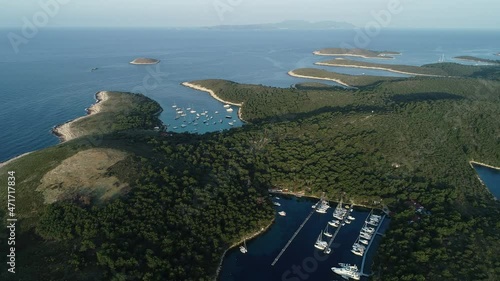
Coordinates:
(171,13)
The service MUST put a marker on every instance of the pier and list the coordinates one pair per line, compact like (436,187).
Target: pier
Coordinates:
(293,237)
(340,225)
(369,245)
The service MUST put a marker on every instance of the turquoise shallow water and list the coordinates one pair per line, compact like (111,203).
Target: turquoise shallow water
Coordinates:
(50,80)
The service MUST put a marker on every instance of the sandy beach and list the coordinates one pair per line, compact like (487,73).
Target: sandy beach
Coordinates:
(15,158)
(291,73)
(318,53)
(377,68)
(66,133)
(213,95)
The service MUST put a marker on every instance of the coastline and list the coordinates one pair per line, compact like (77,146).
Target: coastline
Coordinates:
(318,53)
(15,158)
(478,60)
(213,95)
(293,74)
(144,63)
(258,233)
(376,68)
(64,131)
(472,162)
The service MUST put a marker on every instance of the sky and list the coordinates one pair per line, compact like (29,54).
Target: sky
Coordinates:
(191,13)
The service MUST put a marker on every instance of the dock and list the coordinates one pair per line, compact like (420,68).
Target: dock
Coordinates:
(293,237)
(368,248)
(340,226)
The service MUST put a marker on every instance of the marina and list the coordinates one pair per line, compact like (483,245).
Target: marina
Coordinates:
(293,239)
(192,120)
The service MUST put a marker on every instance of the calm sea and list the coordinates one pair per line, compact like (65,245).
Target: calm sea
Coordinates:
(491,179)
(50,80)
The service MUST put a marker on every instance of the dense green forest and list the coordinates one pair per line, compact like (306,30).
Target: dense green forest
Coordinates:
(436,69)
(127,111)
(192,196)
(359,52)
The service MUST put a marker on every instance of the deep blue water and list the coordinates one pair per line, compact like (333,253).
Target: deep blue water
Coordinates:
(49,81)
(256,264)
(491,179)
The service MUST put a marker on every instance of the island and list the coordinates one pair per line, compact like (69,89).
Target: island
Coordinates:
(339,78)
(401,69)
(476,59)
(146,61)
(291,25)
(363,53)
(119,200)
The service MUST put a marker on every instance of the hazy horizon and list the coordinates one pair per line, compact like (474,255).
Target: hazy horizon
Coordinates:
(199,13)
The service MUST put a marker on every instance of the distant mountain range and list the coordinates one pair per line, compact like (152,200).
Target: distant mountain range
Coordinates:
(292,24)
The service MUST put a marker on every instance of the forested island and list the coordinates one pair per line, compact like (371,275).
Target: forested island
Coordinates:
(169,205)
(476,59)
(144,61)
(363,53)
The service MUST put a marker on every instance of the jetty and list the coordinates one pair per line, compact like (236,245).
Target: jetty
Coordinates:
(293,237)
(340,225)
(369,245)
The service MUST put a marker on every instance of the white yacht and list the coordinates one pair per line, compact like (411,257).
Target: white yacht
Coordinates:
(358,246)
(320,244)
(282,213)
(229,110)
(327,233)
(363,241)
(276,204)
(351,218)
(365,235)
(323,207)
(243,249)
(347,271)
(339,216)
(358,252)
(227,106)
(334,223)
(368,229)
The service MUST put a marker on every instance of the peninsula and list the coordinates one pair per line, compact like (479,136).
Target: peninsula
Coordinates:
(109,115)
(340,78)
(363,53)
(215,96)
(476,59)
(146,61)
(401,69)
